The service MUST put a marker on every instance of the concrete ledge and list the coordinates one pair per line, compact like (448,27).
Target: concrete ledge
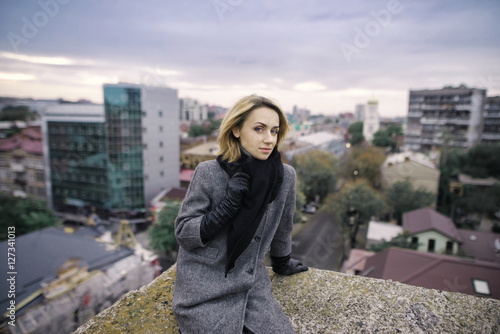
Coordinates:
(320,301)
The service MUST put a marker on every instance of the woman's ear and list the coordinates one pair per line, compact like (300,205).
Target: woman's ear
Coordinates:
(236,132)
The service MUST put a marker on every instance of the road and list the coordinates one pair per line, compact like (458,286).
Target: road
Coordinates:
(319,243)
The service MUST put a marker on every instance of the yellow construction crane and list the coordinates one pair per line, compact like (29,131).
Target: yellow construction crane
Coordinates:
(125,236)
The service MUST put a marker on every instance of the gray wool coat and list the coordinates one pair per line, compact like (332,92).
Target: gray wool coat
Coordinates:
(204,300)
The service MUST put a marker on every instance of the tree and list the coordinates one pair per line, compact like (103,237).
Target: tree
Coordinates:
(363,163)
(25,214)
(481,161)
(381,139)
(402,197)
(402,240)
(355,129)
(162,233)
(317,173)
(300,201)
(353,206)
(387,137)
(17,113)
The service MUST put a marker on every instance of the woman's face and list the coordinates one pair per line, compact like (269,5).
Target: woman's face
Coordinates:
(259,133)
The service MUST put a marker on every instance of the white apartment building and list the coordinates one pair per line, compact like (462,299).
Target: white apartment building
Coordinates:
(191,110)
(371,122)
(451,113)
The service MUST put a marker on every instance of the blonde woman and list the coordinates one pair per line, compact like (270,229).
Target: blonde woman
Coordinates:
(237,208)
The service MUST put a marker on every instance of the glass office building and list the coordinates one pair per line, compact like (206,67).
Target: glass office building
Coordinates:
(123,115)
(112,158)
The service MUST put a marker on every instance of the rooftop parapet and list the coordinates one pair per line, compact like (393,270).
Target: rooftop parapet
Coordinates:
(320,301)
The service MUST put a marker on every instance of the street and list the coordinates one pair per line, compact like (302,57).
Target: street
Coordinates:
(319,243)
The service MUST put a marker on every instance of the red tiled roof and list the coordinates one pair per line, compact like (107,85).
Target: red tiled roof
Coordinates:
(29,140)
(17,141)
(427,219)
(481,245)
(186,175)
(433,271)
(34,147)
(10,144)
(176,194)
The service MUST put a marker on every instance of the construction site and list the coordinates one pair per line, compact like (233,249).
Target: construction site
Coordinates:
(67,274)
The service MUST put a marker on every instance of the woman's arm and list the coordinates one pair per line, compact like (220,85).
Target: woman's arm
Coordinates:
(198,221)
(282,241)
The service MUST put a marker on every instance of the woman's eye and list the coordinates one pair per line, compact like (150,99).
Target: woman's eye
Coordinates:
(259,129)
(275,131)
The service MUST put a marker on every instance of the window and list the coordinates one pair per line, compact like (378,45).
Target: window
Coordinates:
(160,113)
(161,144)
(162,173)
(481,286)
(449,247)
(161,159)
(431,245)
(414,241)
(161,128)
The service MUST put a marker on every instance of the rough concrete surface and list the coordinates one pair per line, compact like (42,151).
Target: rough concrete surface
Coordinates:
(320,301)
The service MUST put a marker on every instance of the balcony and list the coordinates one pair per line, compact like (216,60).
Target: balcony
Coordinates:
(416,114)
(433,120)
(17,167)
(458,121)
(462,107)
(491,136)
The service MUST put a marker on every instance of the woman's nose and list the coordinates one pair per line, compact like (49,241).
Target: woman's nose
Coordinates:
(269,138)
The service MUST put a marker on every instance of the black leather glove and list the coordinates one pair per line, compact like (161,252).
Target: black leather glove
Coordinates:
(286,266)
(216,219)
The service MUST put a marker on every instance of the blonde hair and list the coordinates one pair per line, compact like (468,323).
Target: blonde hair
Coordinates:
(229,144)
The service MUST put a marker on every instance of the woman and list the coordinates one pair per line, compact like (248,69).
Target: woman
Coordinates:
(236,209)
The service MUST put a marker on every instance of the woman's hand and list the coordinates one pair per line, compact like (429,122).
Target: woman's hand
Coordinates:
(286,266)
(237,188)
(222,214)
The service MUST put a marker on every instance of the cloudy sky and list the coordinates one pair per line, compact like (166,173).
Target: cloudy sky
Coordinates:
(323,55)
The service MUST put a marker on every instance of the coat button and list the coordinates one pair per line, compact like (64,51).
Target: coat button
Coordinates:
(250,271)
(257,238)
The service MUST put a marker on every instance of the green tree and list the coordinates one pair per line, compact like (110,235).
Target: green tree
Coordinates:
(402,240)
(353,206)
(387,137)
(355,129)
(17,113)
(196,130)
(481,161)
(402,197)
(300,201)
(381,139)
(317,173)
(363,163)
(25,214)
(162,233)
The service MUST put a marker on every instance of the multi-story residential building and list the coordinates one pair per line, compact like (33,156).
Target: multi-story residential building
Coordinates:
(359,112)
(191,110)
(22,164)
(371,122)
(113,157)
(452,114)
(491,127)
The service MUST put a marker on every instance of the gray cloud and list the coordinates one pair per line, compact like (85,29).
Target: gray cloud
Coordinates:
(272,45)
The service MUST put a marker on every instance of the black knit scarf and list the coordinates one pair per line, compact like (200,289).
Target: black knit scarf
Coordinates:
(266,177)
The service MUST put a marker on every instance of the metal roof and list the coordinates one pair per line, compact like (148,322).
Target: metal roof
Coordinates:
(39,254)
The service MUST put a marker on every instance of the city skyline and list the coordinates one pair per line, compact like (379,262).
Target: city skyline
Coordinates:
(321,56)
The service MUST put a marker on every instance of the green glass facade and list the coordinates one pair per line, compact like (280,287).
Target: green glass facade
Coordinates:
(123,128)
(79,166)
